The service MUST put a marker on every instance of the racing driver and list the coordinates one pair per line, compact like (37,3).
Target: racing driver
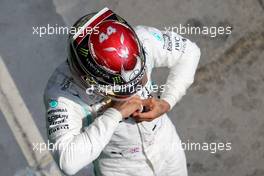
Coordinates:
(100,104)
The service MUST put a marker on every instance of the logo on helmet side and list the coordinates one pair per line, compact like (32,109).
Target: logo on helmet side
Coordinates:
(122,52)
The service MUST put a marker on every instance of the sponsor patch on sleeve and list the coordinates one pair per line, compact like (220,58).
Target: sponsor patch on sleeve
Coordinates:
(174,42)
(57,117)
(156,36)
(53,103)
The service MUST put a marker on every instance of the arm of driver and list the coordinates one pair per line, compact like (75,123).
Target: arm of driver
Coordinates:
(180,55)
(75,146)
(181,74)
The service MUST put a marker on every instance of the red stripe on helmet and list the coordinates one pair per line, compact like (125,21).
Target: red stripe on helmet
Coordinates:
(96,21)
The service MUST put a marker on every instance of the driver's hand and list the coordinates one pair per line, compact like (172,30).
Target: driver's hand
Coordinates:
(153,108)
(126,108)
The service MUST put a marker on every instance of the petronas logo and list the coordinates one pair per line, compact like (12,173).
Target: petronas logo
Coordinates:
(83,52)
